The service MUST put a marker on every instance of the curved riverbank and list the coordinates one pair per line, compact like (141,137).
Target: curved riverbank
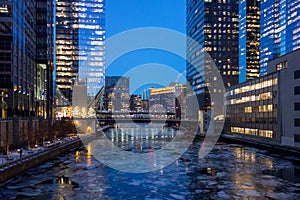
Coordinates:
(14,168)
(11,169)
(272,147)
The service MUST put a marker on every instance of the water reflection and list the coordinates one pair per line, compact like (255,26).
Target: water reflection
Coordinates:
(77,158)
(142,139)
(242,154)
(89,155)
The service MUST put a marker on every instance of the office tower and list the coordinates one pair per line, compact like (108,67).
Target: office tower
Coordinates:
(168,100)
(267,109)
(80,35)
(214,25)
(249,40)
(280,30)
(44,57)
(17,58)
(146,93)
(116,97)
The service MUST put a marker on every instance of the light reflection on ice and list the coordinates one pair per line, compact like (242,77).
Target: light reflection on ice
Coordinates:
(228,172)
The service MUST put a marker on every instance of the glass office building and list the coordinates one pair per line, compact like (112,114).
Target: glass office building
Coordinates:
(17,57)
(44,57)
(116,96)
(80,35)
(91,36)
(214,25)
(280,30)
(249,40)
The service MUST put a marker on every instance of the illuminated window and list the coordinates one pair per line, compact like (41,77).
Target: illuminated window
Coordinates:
(237,130)
(266,133)
(248,109)
(250,131)
(281,65)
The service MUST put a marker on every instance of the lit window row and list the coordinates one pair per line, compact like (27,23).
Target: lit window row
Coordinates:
(265,108)
(250,131)
(256,86)
(263,96)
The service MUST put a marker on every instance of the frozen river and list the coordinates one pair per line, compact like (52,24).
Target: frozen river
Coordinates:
(230,171)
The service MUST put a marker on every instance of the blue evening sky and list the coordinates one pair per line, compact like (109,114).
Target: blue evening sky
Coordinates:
(122,15)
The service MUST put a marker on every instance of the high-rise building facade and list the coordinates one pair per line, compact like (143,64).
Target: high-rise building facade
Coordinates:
(214,25)
(66,48)
(249,39)
(267,109)
(116,96)
(44,57)
(17,58)
(280,30)
(171,99)
(80,35)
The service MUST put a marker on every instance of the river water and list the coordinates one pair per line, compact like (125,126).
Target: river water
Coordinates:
(229,171)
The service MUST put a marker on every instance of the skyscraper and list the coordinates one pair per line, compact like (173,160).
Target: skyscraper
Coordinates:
(66,48)
(44,57)
(249,39)
(116,96)
(17,57)
(80,35)
(280,30)
(214,25)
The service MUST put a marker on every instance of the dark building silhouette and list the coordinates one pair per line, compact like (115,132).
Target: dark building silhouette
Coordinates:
(135,102)
(44,57)
(213,25)
(17,57)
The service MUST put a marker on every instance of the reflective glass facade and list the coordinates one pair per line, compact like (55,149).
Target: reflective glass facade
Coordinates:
(44,57)
(249,40)
(214,25)
(66,48)
(80,35)
(91,34)
(280,29)
(17,57)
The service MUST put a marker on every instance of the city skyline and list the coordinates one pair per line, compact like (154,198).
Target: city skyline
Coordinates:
(139,99)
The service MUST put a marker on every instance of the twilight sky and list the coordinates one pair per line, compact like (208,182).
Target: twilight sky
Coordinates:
(122,15)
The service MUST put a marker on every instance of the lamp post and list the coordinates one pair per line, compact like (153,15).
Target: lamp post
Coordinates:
(2,104)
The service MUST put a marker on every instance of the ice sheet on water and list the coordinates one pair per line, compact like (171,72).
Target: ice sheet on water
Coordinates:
(223,195)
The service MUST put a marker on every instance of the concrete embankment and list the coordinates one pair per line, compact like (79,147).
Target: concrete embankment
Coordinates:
(11,169)
(14,168)
(272,147)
